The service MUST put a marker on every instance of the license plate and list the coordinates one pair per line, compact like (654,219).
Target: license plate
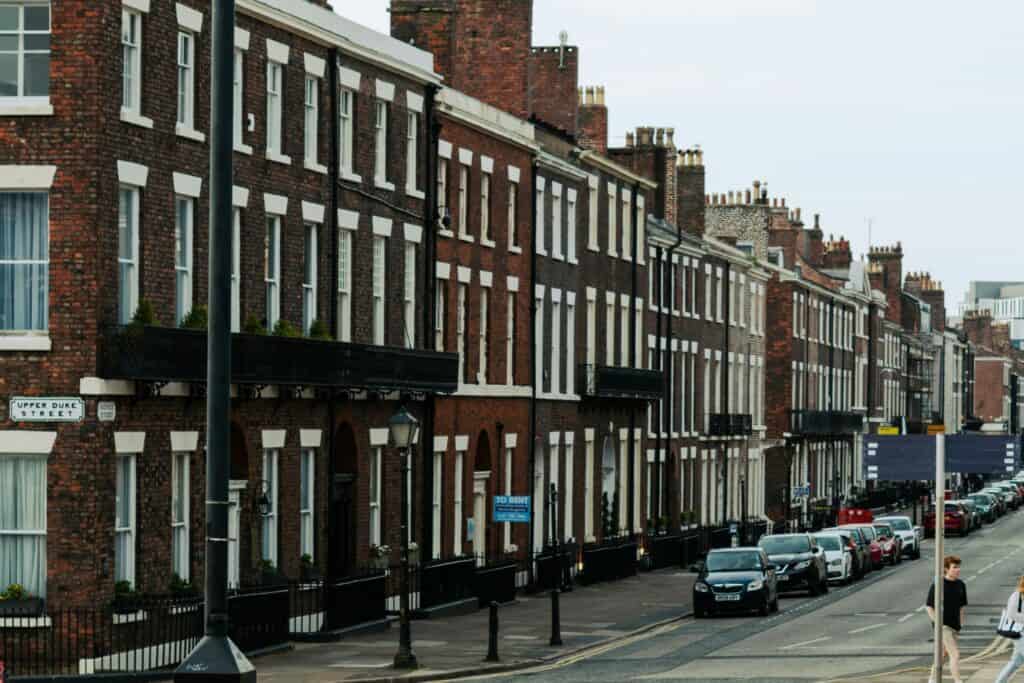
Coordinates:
(728,597)
(782,577)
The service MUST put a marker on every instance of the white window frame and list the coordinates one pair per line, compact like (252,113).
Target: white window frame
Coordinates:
(269,537)
(409,294)
(186,79)
(238,90)
(556,222)
(380,144)
(436,502)
(440,297)
(236,269)
(375,486)
(464,203)
(510,340)
(412,135)
(567,490)
(485,209)
(627,225)
(457,514)
(30,104)
(126,573)
(311,120)
(380,258)
(613,206)
(275,94)
(593,199)
(507,531)
(307,508)
(442,196)
(183,271)
(610,308)
(624,337)
(131,54)
(461,325)
(346,127)
(512,215)
(483,338)
(181,468)
(309,275)
(538,339)
(131,281)
(556,343)
(570,343)
(539,240)
(570,225)
(588,486)
(344,285)
(272,270)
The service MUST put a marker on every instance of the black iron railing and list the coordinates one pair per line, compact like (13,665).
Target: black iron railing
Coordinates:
(164,354)
(730,424)
(602,381)
(825,422)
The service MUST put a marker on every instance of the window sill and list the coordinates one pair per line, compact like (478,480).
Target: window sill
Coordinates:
(25,342)
(243,148)
(351,177)
(414,193)
(279,158)
(445,233)
(627,257)
(573,261)
(136,119)
(313,166)
(466,238)
(129,618)
(25,106)
(189,133)
(541,252)
(613,254)
(594,248)
(26,622)
(488,243)
(558,257)
(383,185)
(513,249)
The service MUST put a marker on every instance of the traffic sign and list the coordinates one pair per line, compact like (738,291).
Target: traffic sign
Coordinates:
(886,430)
(977,454)
(912,457)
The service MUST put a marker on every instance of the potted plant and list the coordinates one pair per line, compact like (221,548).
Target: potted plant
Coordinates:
(283,328)
(196,319)
(380,556)
(254,325)
(126,598)
(181,588)
(16,601)
(269,575)
(318,330)
(414,552)
(308,569)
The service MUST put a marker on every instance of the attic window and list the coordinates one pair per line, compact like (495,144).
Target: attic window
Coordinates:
(746,247)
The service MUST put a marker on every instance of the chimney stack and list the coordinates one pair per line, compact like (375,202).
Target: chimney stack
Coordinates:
(592,120)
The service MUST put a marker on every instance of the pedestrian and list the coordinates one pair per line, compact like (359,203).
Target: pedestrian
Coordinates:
(1014,613)
(954,601)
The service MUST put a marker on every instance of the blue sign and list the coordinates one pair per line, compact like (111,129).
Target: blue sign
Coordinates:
(900,458)
(512,509)
(978,454)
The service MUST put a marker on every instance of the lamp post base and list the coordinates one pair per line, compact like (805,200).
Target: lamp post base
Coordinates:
(405,660)
(215,658)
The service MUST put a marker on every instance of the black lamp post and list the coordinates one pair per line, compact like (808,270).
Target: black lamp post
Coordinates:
(404,430)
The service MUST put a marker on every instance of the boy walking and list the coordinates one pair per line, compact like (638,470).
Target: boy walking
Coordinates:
(954,602)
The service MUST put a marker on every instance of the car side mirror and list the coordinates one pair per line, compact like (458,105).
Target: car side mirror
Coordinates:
(815,549)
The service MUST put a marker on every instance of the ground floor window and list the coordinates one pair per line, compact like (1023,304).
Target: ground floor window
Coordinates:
(270,457)
(23,522)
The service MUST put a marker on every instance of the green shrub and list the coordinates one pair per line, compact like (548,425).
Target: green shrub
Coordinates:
(15,591)
(180,585)
(283,328)
(318,330)
(196,319)
(254,325)
(144,314)
(123,588)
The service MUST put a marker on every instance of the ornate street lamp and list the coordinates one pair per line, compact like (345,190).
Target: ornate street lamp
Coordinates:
(404,431)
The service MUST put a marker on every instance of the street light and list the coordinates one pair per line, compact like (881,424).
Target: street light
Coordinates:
(404,430)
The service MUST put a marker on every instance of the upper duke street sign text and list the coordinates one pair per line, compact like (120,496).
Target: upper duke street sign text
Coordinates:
(46,409)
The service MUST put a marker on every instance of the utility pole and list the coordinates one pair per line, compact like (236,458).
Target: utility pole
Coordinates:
(216,658)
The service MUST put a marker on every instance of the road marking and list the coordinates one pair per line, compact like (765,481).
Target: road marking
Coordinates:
(808,642)
(905,617)
(866,628)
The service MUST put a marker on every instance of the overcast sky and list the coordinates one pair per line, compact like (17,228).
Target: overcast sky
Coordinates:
(908,112)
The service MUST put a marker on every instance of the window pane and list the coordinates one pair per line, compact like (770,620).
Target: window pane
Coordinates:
(9,43)
(8,75)
(125,227)
(304,481)
(37,75)
(35,42)
(37,18)
(8,18)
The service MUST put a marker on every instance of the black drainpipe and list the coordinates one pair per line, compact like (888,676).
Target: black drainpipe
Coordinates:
(663,408)
(332,221)
(670,393)
(633,474)
(727,292)
(431,218)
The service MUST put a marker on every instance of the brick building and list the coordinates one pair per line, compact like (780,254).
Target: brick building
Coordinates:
(331,190)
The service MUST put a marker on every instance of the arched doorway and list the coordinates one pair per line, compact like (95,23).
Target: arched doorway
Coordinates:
(481,492)
(238,528)
(343,511)
(609,493)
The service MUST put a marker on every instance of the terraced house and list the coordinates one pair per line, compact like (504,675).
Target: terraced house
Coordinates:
(107,257)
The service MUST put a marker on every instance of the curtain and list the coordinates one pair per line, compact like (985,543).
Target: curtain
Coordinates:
(23,523)
(24,260)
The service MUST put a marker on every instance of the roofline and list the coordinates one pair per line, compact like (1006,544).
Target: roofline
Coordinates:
(451,103)
(609,166)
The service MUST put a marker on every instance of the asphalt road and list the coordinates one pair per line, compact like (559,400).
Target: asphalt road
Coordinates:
(877,624)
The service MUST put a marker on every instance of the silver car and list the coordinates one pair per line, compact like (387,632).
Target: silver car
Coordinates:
(911,535)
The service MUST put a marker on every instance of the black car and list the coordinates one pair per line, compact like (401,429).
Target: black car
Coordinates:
(800,563)
(735,579)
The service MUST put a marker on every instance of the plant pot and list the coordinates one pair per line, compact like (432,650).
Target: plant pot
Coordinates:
(126,604)
(310,574)
(273,578)
(380,562)
(25,607)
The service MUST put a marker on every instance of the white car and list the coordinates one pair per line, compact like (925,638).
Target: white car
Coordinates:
(838,560)
(911,535)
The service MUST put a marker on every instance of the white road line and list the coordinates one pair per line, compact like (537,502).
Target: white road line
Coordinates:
(866,628)
(808,642)
(905,617)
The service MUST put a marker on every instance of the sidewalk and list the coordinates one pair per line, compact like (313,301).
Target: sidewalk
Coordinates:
(590,616)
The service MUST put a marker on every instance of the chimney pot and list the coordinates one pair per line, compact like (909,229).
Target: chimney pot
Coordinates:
(644,135)
(746,196)
(700,157)
(670,137)
(659,137)
(798,214)
(730,197)
(816,217)
(629,139)
(600,95)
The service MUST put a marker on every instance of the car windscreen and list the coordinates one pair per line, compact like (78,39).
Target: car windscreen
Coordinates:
(899,524)
(952,507)
(983,500)
(828,542)
(883,529)
(869,532)
(733,562)
(785,545)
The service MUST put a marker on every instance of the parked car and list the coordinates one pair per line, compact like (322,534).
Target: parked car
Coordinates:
(872,538)
(838,555)
(861,550)
(1016,499)
(800,563)
(892,544)
(736,579)
(973,515)
(911,535)
(986,505)
(1002,507)
(956,520)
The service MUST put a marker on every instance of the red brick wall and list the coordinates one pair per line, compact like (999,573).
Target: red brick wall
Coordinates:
(592,127)
(691,188)
(779,350)
(988,388)
(554,77)
(430,25)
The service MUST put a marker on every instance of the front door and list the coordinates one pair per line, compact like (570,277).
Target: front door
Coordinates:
(234,530)
(480,520)
(342,554)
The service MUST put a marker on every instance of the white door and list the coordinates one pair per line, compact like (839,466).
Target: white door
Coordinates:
(480,516)
(234,526)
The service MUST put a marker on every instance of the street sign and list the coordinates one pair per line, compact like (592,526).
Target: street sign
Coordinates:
(977,454)
(801,491)
(512,509)
(46,409)
(887,430)
(936,429)
(899,458)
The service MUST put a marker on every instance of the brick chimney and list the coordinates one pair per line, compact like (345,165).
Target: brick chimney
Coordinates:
(837,254)
(814,244)
(690,188)
(553,78)
(978,328)
(592,123)
(889,261)
(935,296)
(481,47)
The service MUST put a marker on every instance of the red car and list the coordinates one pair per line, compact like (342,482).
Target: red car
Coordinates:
(892,545)
(957,521)
(877,559)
